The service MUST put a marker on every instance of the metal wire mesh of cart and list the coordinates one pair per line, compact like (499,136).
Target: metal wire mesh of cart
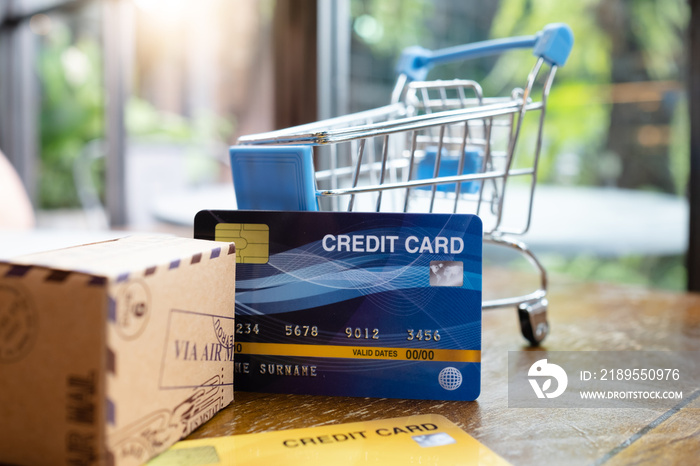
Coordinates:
(440,146)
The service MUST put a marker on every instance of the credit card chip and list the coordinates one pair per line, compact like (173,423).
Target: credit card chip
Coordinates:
(252,240)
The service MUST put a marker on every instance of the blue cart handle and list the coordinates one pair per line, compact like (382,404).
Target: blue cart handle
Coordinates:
(553,44)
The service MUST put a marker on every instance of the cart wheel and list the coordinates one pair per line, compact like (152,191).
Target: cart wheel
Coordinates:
(533,320)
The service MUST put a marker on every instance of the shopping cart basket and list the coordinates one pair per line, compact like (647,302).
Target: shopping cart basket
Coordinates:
(438,146)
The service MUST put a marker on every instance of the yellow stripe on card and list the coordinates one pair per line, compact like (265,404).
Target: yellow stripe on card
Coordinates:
(359,352)
(252,240)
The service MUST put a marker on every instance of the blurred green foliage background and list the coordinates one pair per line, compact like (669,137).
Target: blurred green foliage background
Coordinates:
(600,131)
(617,115)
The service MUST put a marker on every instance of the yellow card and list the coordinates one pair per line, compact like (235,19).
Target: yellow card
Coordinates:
(426,439)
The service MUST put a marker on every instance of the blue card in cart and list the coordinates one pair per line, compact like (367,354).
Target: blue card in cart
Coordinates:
(355,304)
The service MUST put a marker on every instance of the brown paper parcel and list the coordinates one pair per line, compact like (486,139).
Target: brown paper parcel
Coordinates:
(113,351)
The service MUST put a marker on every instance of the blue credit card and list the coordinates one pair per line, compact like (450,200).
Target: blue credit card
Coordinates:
(355,304)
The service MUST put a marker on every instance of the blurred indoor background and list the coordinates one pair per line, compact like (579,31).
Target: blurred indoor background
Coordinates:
(118,113)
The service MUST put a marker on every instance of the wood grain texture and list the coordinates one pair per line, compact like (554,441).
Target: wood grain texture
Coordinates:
(583,317)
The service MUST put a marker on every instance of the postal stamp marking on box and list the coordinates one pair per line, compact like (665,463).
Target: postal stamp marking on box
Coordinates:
(18,323)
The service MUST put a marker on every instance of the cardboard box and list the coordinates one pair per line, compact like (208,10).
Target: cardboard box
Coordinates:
(113,351)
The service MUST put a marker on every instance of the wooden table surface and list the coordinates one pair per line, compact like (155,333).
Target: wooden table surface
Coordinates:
(583,317)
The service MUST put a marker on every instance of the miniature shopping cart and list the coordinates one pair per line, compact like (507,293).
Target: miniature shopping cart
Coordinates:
(439,146)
